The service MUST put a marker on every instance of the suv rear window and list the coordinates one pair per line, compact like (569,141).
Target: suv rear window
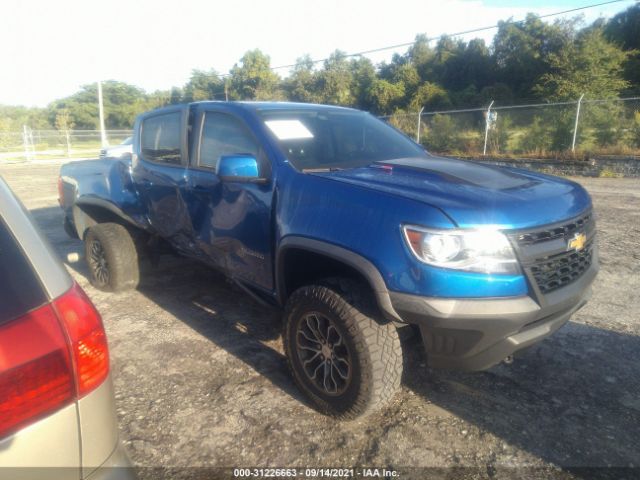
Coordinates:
(20,290)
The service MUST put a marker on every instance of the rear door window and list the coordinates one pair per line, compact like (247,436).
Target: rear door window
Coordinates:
(161,139)
(20,289)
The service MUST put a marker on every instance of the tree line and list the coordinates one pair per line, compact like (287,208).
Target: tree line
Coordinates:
(528,61)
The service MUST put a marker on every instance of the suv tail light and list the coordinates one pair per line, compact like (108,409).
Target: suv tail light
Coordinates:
(83,325)
(35,369)
(50,357)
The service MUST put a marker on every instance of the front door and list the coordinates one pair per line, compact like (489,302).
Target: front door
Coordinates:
(231,219)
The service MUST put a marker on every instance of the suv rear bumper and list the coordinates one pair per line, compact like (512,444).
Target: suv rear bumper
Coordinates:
(116,467)
(475,334)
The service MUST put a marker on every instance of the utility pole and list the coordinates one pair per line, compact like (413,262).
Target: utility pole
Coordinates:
(575,127)
(486,128)
(27,146)
(418,132)
(103,133)
(226,92)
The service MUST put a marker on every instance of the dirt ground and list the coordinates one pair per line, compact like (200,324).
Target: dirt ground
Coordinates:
(201,380)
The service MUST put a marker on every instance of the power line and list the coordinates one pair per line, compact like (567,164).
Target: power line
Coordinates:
(465,32)
(430,39)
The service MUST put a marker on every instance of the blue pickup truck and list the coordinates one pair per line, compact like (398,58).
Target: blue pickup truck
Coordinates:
(350,228)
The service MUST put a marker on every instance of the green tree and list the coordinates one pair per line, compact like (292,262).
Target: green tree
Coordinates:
(624,30)
(420,55)
(470,65)
(63,120)
(591,65)
(498,92)
(430,96)
(363,74)
(522,51)
(385,96)
(536,137)
(204,85)
(336,80)
(407,77)
(499,135)
(64,124)
(253,79)
(159,98)
(176,96)
(635,130)
(446,52)
(12,118)
(122,103)
(442,134)
(302,83)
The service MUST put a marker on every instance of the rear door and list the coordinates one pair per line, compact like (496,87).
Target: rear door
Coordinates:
(160,173)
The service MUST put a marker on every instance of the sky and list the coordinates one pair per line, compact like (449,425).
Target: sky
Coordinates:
(49,48)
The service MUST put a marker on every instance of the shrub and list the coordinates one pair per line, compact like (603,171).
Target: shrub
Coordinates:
(606,173)
(607,122)
(442,134)
(499,135)
(635,130)
(536,137)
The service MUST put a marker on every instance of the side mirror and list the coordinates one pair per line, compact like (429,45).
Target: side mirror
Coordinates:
(240,167)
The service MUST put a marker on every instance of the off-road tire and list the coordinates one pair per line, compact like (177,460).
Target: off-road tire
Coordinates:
(120,255)
(374,345)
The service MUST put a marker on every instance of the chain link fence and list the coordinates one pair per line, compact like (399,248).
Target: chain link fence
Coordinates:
(600,127)
(37,145)
(578,127)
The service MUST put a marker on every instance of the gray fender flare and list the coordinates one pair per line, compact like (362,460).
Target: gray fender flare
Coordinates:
(82,221)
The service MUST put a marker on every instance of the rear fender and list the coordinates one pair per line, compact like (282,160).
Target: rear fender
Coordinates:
(90,212)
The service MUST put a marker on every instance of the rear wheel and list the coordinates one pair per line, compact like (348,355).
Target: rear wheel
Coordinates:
(344,360)
(112,257)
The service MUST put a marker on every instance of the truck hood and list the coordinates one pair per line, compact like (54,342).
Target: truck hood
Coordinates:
(474,194)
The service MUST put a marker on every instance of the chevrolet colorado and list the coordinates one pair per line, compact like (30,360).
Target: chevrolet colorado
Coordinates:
(349,227)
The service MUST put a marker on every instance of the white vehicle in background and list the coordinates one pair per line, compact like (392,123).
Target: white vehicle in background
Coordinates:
(118,151)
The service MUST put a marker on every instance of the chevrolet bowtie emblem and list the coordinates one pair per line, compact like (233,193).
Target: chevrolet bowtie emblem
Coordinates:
(577,242)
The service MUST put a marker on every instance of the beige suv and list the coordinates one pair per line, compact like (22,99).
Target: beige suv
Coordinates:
(57,415)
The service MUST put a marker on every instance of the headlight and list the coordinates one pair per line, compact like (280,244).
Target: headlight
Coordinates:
(483,250)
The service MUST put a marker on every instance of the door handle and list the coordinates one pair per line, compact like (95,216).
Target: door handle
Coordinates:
(201,189)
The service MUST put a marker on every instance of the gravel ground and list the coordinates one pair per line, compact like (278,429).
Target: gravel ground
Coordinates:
(201,380)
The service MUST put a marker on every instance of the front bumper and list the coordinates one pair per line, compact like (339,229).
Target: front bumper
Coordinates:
(475,334)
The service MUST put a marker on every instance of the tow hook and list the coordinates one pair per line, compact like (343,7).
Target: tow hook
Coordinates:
(508,360)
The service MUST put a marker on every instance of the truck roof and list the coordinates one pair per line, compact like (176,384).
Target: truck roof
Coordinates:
(255,105)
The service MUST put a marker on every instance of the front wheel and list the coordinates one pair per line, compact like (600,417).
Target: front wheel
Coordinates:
(344,360)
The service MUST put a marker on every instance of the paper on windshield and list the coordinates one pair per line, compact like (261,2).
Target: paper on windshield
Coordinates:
(288,129)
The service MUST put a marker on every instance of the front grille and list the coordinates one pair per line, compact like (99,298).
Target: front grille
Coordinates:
(566,230)
(556,271)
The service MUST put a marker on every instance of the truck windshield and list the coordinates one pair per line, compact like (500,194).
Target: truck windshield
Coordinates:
(325,139)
